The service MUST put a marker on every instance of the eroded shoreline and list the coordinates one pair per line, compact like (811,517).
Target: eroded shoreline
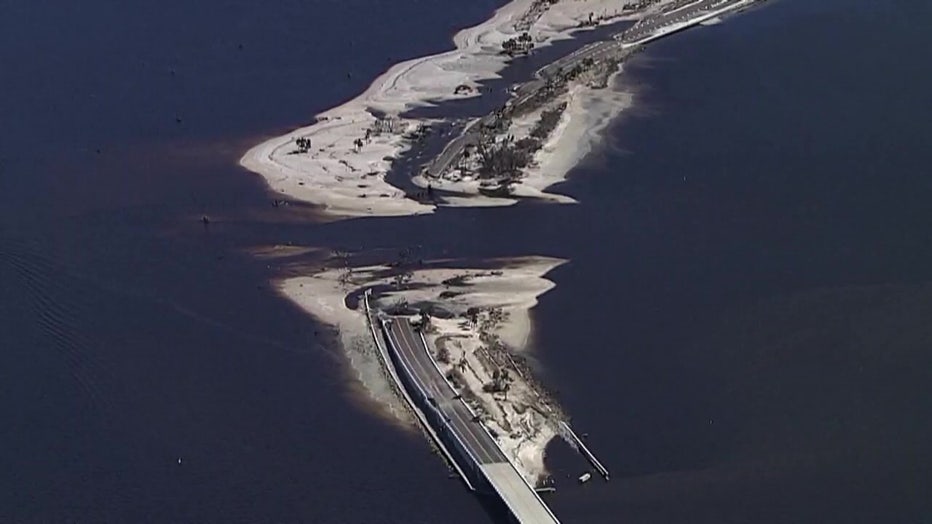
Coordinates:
(476,320)
(342,159)
(479,327)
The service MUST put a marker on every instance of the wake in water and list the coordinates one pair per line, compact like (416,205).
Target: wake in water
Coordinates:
(52,294)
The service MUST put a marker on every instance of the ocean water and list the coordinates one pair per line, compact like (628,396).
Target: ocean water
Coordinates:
(131,337)
(744,327)
(741,330)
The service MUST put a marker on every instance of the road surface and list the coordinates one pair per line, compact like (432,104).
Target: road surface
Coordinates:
(416,363)
(678,17)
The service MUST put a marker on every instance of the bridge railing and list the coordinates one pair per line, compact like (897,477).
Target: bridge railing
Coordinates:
(418,413)
(438,415)
(481,425)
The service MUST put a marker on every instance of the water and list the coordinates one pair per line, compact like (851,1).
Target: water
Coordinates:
(130,335)
(765,296)
(741,329)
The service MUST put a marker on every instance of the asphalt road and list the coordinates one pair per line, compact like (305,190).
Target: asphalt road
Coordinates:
(454,150)
(414,357)
(520,498)
(680,13)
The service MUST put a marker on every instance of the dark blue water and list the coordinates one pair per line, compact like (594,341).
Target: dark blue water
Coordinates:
(742,328)
(131,337)
(756,266)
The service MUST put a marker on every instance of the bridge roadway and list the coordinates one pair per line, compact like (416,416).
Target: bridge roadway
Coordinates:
(417,364)
(454,150)
(678,16)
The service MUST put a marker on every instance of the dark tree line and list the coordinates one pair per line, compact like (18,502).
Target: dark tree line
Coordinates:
(521,44)
(505,160)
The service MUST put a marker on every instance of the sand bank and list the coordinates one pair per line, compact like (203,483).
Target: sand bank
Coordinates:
(486,320)
(589,110)
(323,295)
(588,113)
(342,168)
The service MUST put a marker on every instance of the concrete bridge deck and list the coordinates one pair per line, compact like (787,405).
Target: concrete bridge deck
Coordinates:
(456,421)
(683,16)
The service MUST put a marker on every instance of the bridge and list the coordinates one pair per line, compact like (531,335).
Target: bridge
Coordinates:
(681,15)
(450,422)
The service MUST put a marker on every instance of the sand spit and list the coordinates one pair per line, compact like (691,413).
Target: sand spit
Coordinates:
(323,296)
(479,329)
(281,251)
(339,162)
(588,112)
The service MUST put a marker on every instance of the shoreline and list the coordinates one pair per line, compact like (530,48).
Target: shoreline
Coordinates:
(588,113)
(347,178)
(477,315)
(479,320)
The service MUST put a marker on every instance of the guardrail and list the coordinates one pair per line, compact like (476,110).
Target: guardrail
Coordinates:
(585,451)
(422,418)
(495,442)
(440,415)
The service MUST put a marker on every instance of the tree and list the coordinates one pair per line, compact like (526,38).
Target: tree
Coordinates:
(464,159)
(303,143)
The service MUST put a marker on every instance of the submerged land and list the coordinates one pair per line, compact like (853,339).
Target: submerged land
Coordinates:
(476,320)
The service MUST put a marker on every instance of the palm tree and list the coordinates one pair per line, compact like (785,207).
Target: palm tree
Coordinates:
(464,158)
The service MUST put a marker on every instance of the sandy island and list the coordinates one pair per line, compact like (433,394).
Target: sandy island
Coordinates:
(478,324)
(588,111)
(340,161)
(479,331)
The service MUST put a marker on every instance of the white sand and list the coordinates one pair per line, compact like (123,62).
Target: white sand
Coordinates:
(566,15)
(351,182)
(322,295)
(588,113)
(513,288)
(523,422)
